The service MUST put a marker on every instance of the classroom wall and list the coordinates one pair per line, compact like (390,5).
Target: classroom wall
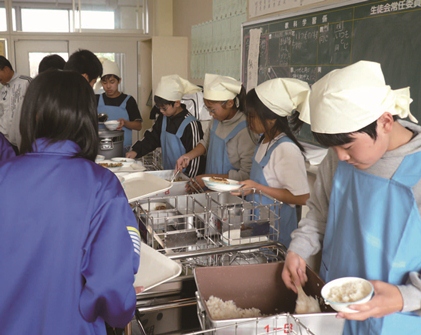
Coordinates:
(187,13)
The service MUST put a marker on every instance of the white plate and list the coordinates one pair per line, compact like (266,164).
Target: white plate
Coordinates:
(123,159)
(99,158)
(154,268)
(139,185)
(114,169)
(220,187)
(133,167)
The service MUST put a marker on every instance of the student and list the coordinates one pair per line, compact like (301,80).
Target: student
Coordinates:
(6,148)
(68,237)
(227,142)
(51,62)
(12,93)
(85,63)
(116,104)
(278,168)
(367,197)
(176,131)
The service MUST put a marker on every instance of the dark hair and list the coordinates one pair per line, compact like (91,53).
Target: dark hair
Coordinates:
(256,108)
(242,99)
(5,62)
(51,62)
(109,76)
(60,105)
(85,62)
(331,140)
(160,102)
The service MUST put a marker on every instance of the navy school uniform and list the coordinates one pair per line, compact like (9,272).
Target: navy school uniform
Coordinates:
(69,244)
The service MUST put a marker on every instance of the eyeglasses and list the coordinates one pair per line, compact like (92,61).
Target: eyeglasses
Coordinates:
(212,110)
(162,108)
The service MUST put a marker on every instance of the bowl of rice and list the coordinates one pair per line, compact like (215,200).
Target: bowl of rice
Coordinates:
(342,292)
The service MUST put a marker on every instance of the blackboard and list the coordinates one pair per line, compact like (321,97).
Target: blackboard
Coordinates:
(309,45)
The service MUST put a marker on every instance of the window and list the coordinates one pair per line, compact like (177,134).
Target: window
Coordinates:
(60,16)
(45,20)
(3,22)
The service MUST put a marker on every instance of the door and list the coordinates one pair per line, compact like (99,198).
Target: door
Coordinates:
(29,54)
(123,51)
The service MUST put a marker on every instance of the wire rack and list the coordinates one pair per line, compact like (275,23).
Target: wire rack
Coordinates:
(153,160)
(277,324)
(253,253)
(205,220)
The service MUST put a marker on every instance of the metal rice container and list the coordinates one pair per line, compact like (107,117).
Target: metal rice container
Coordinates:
(261,286)
(111,143)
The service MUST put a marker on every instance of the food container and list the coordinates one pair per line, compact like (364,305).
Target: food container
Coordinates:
(111,143)
(179,185)
(261,286)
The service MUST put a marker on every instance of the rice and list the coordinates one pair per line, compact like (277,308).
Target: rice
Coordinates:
(221,310)
(348,292)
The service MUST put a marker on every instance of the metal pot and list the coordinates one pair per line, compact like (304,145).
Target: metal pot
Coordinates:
(111,143)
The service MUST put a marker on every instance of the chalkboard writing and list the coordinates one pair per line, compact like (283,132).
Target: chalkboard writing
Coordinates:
(309,45)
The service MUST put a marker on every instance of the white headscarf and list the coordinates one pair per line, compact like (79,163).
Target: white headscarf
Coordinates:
(284,95)
(220,88)
(348,99)
(173,87)
(109,67)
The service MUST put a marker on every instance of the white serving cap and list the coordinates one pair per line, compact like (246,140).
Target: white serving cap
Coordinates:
(220,88)
(348,99)
(284,95)
(173,87)
(109,67)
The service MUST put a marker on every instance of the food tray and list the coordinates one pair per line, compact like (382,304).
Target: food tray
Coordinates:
(260,286)
(179,185)
(154,268)
(140,185)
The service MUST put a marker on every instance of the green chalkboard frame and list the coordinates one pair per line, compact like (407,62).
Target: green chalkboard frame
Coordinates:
(311,43)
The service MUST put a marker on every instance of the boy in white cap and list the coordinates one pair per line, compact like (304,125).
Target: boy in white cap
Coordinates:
(116,104)
(227,143)
(278,168)
(176,131)
(365,209)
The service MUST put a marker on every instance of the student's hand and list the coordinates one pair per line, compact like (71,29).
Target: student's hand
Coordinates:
(122,122)
(245,190)
(294,272)
(387,299)
(139,289)
(192,187)
(182,162)
(131,154)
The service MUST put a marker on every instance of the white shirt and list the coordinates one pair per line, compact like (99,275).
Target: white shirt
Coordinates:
(11,98)
(286,167)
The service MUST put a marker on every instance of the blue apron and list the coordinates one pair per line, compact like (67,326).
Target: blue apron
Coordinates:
(218,161)
(115,113)
(288,214)
(171,145)
(374,232)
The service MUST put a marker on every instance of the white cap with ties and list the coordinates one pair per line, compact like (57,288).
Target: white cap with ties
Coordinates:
(351,98)
(283,96)
(173,87)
